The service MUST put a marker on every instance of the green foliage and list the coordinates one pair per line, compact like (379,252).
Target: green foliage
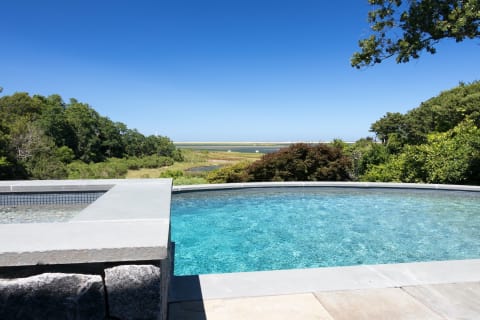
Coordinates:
(364,154)
(407,166)
(405,29)
(389,124)
(110,169)
(302,162)
(186,180)
(451,157)
(454,156)
(64,154)
(438,142)
(154,161)
(172,174)
(7,169)
(40,135)
(438,114)
(45,166)
(234,173)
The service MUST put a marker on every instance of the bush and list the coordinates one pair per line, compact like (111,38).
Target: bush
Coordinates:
(155,161)
(186,180)
(79,170)
(234,173)
(172,174)
(46,167)
(110,169)
(302,162)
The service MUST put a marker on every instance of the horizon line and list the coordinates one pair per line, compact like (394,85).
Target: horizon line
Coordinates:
(254,142)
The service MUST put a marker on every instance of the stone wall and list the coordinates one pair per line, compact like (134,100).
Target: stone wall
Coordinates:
(136,291)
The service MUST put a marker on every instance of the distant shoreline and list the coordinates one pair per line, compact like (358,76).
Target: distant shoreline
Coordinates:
(239,146)
(244,142)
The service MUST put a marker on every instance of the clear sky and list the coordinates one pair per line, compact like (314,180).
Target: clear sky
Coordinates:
(219,70)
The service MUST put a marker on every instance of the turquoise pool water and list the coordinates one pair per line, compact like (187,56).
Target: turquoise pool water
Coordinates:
(289,228)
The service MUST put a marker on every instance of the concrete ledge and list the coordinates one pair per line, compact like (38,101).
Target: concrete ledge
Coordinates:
(130,222)
(127,202)
(83,242)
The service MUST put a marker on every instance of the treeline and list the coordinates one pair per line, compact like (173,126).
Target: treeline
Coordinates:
(437,142)
(46,138)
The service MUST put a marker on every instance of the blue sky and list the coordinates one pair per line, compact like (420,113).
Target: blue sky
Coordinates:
(224,70)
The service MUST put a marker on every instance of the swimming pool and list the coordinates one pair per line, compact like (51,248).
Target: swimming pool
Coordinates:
(255,229)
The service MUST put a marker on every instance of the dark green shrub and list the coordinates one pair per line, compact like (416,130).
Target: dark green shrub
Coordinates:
(302,162)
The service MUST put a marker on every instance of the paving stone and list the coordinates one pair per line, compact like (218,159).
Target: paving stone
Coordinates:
(391,304)
(434,272)
(453,300)
(52,296)
(288,307)
(133,292)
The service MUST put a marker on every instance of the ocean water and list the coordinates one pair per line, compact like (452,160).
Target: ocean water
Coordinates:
(290,228)
(248,148)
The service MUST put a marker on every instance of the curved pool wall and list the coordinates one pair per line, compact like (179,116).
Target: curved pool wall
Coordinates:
(223,186)
(111,260)
(328,233)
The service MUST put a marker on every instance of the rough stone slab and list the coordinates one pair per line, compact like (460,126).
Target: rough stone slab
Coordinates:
(52,296)
(288,307)
(390,303)
(453,300)
(133,292)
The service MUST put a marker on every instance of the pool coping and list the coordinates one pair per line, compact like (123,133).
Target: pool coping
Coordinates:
(296,281)
(387,185)
(112,228)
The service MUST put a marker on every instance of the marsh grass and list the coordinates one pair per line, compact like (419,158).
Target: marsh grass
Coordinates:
(192,159)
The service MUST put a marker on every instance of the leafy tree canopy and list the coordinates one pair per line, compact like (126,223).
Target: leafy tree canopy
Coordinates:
(406,28)
(438,142)
(40,136)
(438,114)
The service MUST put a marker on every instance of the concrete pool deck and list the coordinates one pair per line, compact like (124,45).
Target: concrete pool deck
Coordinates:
(423,290)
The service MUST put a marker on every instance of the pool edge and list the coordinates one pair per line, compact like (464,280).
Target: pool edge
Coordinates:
(295,281)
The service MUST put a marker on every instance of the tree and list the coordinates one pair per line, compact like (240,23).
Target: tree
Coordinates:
(85,122)
(438,114)
(406,28)
(391,123)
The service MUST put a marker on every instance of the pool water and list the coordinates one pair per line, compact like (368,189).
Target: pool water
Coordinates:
(289,228)
(39,213)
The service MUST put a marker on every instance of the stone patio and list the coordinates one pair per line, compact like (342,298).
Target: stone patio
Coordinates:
(426,290)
